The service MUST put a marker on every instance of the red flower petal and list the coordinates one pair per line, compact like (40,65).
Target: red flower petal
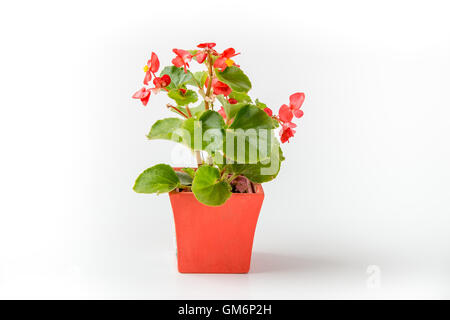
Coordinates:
(143,94)
(285,113)
(220,63)
(178,62)
(298,113)
(157,82)
(228,53)
(296,100)
(220,88)
(154,63)
(147,78)
(222,113)
(286,133)
(201,56)
(232,101)
(268,111)
(145,99)
(185,55)
(162,82)
(139,94)
(290,125)
(166,80)
(207,45)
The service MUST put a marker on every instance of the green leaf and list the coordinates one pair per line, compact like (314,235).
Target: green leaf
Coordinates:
(175,129)
(249,137)
(235,78)
(208,188)
(260,105)
(261,172)
(251,117)
(157,179)
(181,98)
(240,96)
(198,78)
(164,128)
(185,178)
(189,171)
(189,129)
(178,79)
(198,110)
(211,120)
(213,129)
(248,146)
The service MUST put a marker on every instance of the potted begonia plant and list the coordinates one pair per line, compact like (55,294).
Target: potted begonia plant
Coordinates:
(216,205)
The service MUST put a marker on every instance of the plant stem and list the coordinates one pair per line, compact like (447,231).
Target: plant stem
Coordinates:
(188,111)
(198,157)
(224,170)
(208,91)
(233,176)
(177,110)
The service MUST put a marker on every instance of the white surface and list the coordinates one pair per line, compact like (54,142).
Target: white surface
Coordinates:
(364,187)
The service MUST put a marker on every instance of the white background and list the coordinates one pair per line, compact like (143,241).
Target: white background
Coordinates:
(365,183)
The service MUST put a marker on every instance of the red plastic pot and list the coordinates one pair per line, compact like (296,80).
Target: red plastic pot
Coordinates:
(215,239)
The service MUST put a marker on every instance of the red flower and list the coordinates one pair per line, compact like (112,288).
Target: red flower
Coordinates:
(220,87)
(286,113)
(182,59)
(268,111)
(161,83)
(143,94)
(222,113)
(232,101)
(152,66)
(201,55)
(183,91)
(286,131)
(224,59)
(208,45)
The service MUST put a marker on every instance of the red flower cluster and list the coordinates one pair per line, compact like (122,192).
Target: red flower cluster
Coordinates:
(287,113)
(150,69)
(201,55)
(223,60)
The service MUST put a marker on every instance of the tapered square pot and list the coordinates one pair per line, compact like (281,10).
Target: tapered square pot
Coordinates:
(215,239)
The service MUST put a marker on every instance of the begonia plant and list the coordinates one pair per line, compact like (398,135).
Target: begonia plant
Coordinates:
(231,135)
